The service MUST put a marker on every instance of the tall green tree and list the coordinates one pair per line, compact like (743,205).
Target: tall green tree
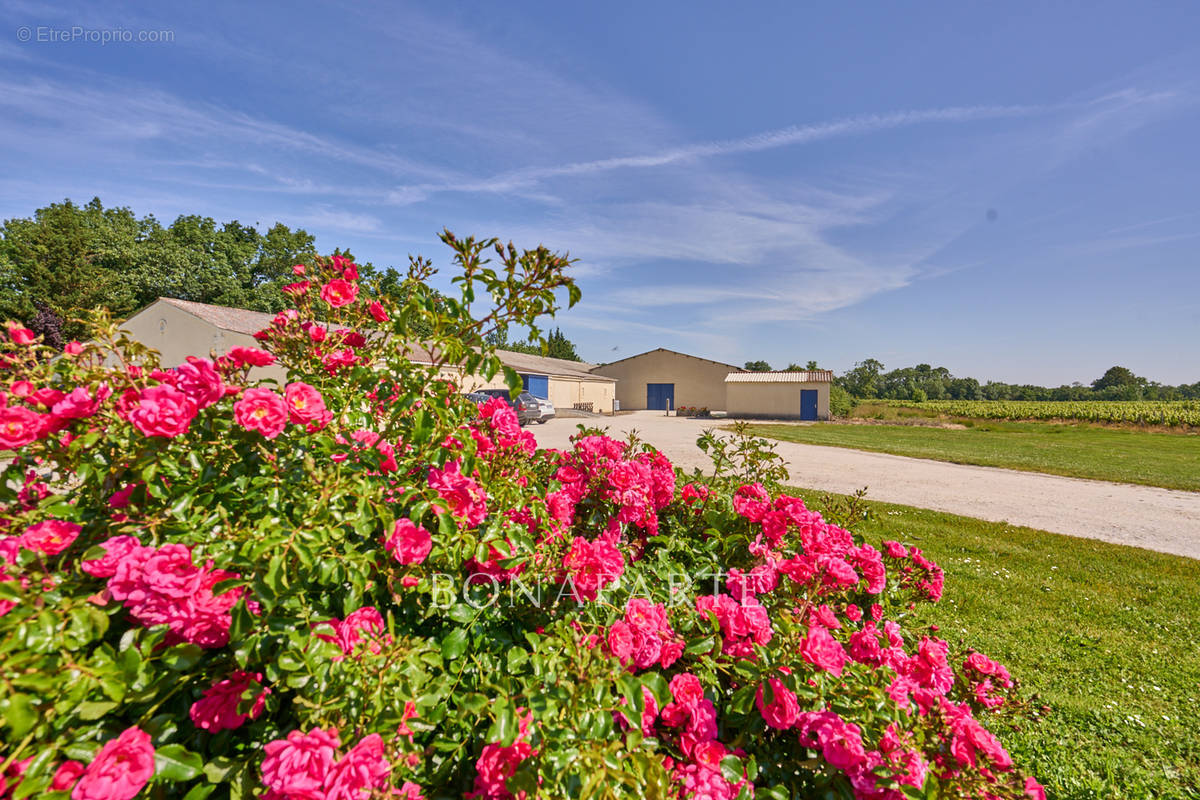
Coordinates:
(863,379)
(1117,377)
(557,345)
(758,366)
(68,260)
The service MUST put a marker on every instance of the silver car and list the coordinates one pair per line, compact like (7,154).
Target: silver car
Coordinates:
(545,410)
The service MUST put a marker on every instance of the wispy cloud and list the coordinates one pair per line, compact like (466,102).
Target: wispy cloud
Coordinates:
(124,115)
(753,143)
(1152,223)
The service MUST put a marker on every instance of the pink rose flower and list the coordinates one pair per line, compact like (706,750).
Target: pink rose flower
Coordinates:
(297,766)
(409,543)
(261,410)
(338,293)
(412,791)
(121,497)
(304,403)
(79,403)
(593,565)
(198,379)
(116,550)
(376,310)
(65,776)
(46,396)
(20,335)
(217,710)
(621,641)
(824,652)
(120,770)
(348,633)
(783,711)
(687,690)
(50,537)
(18,427)
(466,498)
(360,772)
(496,763)
(163,410)
(73,348)
(250,357)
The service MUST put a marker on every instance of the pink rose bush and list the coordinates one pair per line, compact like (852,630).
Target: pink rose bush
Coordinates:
(355,583)
(120,770)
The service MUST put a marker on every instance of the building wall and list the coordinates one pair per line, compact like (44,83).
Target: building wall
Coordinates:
(773,400)
(566,392)
(473,383)
(697,382)
(176,334)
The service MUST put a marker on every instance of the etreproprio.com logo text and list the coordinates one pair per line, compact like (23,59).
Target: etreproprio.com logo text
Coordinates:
(78,34)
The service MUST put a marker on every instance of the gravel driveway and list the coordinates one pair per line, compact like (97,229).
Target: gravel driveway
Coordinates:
(1157,519)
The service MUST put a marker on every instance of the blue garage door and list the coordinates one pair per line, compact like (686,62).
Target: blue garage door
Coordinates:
(660,396)
(536,385)
(808,404)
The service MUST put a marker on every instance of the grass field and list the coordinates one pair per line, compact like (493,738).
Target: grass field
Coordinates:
(1105,635)
(1127,456)
(1175,413)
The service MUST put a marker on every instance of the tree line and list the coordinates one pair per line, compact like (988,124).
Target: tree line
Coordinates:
(923,382)
(868,380)
(68,260)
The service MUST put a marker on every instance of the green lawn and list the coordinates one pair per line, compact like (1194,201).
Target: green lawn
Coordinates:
(1107,636)
(1127,456)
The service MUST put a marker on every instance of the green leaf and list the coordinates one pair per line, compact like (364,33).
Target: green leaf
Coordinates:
(200,791)
(38,775)
(657,685)
(20,715)
(183,658)
(173,762)
(517,657)
(505,729)
(289,662)
(218,769)
(474,703)
(455,644)
(732,769)
(94,710)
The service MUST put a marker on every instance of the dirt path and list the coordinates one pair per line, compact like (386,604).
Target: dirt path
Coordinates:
(1157,519)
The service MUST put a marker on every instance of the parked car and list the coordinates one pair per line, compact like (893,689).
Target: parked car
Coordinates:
(478,398)
(526,405)
(545,409)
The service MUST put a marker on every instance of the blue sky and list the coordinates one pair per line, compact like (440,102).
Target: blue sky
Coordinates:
(1009,190)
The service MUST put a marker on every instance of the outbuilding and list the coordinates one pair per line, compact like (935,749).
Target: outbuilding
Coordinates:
(779,395)
(181,328)
(663,379)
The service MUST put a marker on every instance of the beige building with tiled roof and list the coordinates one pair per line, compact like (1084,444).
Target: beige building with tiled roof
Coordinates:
(663,379)
(181,328)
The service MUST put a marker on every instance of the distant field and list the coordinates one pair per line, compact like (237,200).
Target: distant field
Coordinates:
(1126,456)
(1105,634)
(1143,412)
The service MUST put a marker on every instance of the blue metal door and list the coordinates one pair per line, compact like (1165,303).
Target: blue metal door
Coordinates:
(537,385)
(808,404)
(660,396)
